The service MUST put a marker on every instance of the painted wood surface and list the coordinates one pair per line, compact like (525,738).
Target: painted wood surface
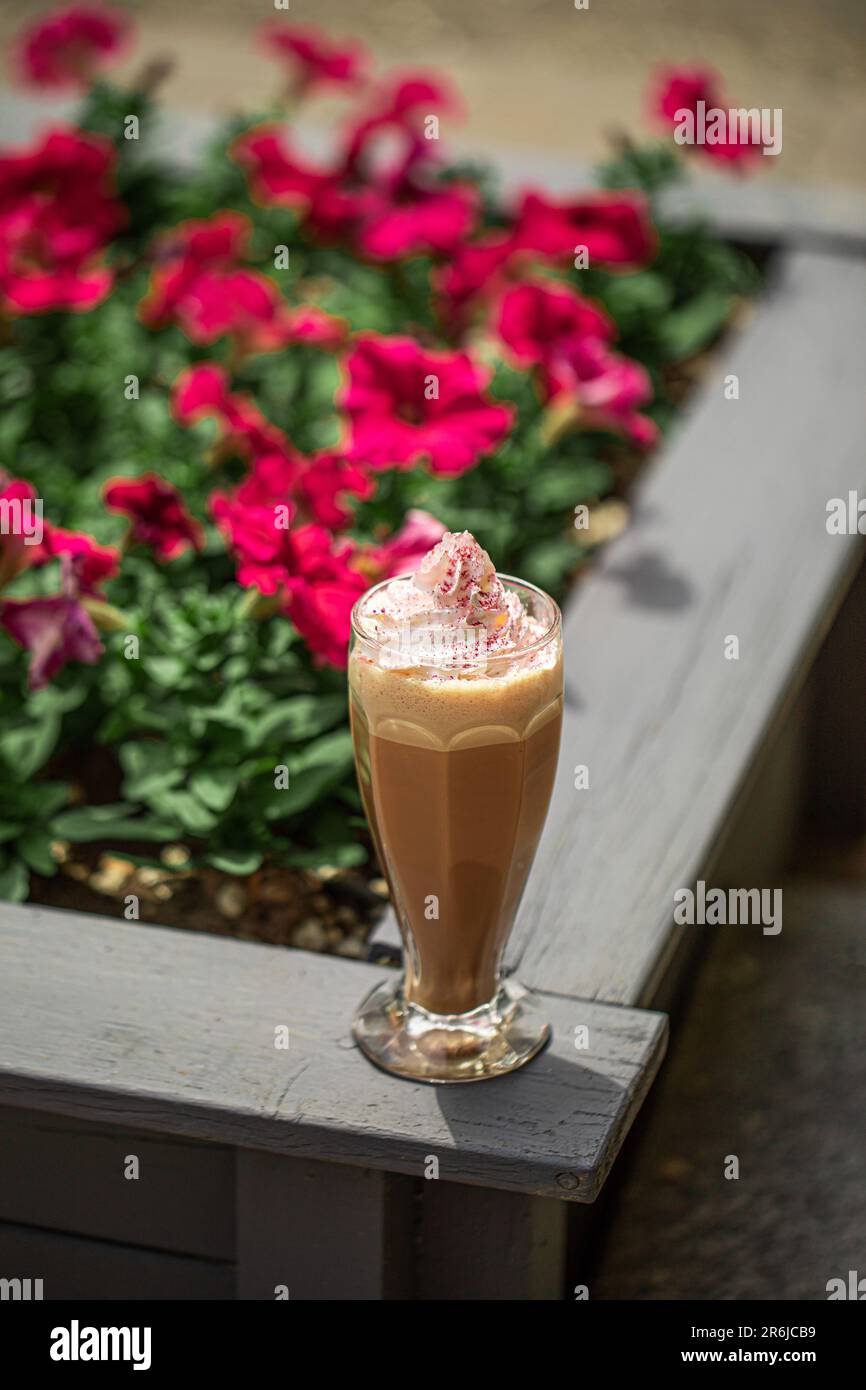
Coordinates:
(70,1176)
(316,1230)
(72,1268)
(175,1033)
(489,1245)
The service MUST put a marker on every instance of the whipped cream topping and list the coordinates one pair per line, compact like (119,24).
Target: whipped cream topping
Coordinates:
(453,613)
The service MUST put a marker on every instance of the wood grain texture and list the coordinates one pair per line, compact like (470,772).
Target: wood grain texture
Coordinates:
(72,1268)
(152,1028)
(70,1177)
(728,537)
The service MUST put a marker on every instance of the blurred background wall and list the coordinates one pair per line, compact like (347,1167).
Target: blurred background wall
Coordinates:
(541,74)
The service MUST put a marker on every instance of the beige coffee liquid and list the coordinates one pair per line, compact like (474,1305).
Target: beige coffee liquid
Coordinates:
(456,776)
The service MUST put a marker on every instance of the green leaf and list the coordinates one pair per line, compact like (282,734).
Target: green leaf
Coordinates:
(35,849)
(215,786)
(38,800)
(14,881)
(322,765)
(235,861)
(88,823)
(186,808)
(332,751)
(547,564)
(26,749)
(303,716)
(686,330)
(166,671)
(150,767)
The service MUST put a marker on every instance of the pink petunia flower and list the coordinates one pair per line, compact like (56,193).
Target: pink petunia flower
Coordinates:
(387,213)
(156,512)
(70,47)
(405,549)
(325,485)
(184,254)
(407,405)
(16,554)
(57,214)
(203,392)
(608,389)
(541,323)
(321,611)
(54,630)
(304,566)
(411,220)
(399,115)
(615,229)
(477,268)
(678,89)
(201,284)
(313,58)
(568,339)
(276,174)
(94,564)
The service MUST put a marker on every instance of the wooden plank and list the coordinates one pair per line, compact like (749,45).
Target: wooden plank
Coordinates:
(728,537)
(489,1245)
(71,1176)
(72,1268)
(291,1210)
(175,1032)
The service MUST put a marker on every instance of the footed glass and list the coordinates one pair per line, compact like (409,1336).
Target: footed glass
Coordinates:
(456,762)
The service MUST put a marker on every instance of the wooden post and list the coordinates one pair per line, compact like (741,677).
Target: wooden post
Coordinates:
(320,1230)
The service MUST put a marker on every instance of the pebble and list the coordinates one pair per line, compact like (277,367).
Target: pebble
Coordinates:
(310,936)
(175,856)
(111,874)
(351,946)
(231,900)
(606,520)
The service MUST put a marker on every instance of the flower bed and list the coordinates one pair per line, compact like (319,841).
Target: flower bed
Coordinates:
(241,398)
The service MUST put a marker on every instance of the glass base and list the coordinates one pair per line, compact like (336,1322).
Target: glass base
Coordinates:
(406,1040)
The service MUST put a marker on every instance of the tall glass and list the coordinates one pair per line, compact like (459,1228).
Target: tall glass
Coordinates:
(456,768)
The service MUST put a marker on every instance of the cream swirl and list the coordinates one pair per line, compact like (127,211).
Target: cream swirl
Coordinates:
(452,613)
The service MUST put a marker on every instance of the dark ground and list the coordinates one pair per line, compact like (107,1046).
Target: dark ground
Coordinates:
(768,1063)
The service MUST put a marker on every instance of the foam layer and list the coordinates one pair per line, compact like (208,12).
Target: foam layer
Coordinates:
(432,712)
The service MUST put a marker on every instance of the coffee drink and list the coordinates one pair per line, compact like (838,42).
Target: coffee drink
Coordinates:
(456,705)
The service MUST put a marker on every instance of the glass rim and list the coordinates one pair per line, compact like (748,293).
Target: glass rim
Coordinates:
(549,633)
